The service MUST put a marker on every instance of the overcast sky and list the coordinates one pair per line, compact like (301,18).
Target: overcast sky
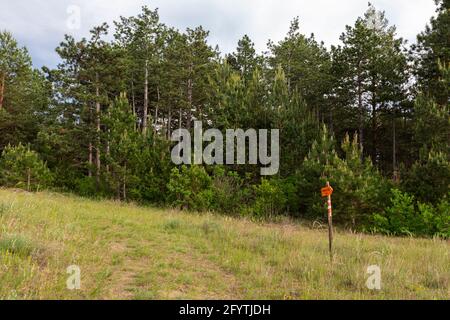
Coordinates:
(41,24)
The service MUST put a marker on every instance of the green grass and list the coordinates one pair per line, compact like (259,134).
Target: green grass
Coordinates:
(16,244)
(131,252)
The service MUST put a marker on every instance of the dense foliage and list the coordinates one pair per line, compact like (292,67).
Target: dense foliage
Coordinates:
(21,167)
(367,115)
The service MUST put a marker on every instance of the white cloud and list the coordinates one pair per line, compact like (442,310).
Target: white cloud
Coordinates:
(41,24)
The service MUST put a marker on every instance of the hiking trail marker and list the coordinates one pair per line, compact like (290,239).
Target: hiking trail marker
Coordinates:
(326,192)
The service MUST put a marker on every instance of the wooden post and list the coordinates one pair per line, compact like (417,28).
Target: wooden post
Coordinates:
(326,192)
(330,224)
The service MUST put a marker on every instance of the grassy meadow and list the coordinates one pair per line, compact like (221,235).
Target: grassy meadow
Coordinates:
(130,252)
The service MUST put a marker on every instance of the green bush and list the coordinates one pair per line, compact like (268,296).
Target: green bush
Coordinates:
(190,188)
(429,179)
(21,167)
(270,198)
(442,219)
(229,192)
(406,216)
(86,186)
(193,188)
(400,215)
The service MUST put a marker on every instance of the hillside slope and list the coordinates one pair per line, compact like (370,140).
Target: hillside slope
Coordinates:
(130,252)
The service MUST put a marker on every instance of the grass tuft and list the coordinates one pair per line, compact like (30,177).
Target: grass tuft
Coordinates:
(209,227)
(5,208)
(172,225)
(17,244)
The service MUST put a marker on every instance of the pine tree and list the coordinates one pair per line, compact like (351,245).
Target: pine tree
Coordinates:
(245,60)
(24,94)
(370,69)
(143,38)
(89,76)
(433,49)
(198,68)
(431,126)
(21,167)
(306,64)
(15,63)
(298,124)
(124,146)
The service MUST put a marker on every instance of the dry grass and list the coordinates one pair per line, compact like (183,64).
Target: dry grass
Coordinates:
(130,252)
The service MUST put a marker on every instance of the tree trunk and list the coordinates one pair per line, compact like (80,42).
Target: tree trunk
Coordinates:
(145,120)
(169,123)
(98,147)
(189,89)
(91,147)
(374,152)
(28,179)
(394,154)
(107,153)
(90,159)
(133,102)
(108,146)
(361,115)
(330,115)
(157,107)
(2,90)
(124,184)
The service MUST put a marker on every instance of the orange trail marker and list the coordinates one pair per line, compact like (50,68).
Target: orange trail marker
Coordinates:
(326,192)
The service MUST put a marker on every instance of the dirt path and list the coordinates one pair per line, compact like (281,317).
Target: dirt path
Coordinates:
(147,271)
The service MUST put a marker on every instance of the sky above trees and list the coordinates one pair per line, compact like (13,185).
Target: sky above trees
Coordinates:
(40,25)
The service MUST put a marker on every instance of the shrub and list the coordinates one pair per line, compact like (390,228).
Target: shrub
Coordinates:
(270,198)
(190,188)
(229,193)
(400,214)
(86,186)
(406,216)
(442,219)
(22,168)
(428,180)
